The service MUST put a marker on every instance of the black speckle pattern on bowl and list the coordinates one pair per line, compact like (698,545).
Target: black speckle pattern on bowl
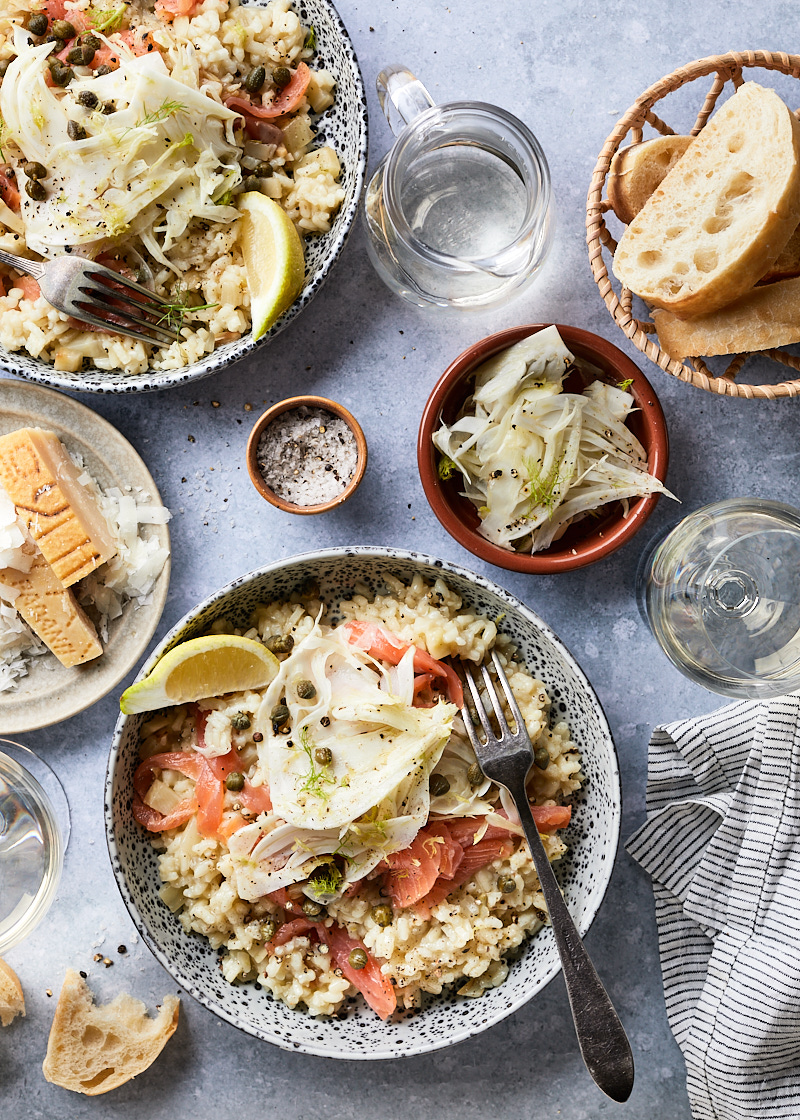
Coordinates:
(344,127)
(358,1033)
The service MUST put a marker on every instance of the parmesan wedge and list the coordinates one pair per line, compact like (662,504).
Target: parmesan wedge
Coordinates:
(51,611)
(42,482)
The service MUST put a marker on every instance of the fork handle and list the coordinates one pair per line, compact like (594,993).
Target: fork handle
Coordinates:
(21,264)
(604,1045)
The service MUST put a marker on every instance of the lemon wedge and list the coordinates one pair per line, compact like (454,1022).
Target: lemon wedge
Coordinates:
(273,259)
(202,667)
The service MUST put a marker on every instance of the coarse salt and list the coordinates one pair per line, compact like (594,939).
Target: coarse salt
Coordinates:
(307,456)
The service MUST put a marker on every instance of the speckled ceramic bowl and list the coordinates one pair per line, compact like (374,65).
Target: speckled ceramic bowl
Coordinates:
(584,873)
(344,126)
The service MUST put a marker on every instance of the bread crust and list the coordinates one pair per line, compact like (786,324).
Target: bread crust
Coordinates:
(93,1049)
(767,316)
(723,213)
(636,171)
(12,1000)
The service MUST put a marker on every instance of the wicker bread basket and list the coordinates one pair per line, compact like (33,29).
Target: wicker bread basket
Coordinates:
(724,67)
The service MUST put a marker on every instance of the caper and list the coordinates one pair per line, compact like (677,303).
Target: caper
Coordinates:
(312,909)
(541,757)
(37,24)
(269,928)
(474,775)
(234,781)
(109,107)
(4,65)
(35,190)
(87,54)
(439,785)
(240,721)
(252,183)
(358,959)
(279,715)
(281,76)
(92,41)
(306,690)
(507,884)
(255,79)
(263,170)
(75,56)
(101,71)
(63,29)
(280,643)
(34,170)
(382,915)
(75,131)
(88,99)
(324,756)
(62,75)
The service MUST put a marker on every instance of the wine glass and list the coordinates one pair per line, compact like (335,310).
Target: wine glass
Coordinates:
(721,593)
(34,831)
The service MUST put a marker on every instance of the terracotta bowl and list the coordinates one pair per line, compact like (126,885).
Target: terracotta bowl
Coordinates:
(257,478)
(589,540)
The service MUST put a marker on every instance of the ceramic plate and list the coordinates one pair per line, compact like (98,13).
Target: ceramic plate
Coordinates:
(358,1033)
(344,127)
(50,692)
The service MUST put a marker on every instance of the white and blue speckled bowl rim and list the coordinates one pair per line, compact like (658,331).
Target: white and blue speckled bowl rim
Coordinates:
(436,566)
(114,381)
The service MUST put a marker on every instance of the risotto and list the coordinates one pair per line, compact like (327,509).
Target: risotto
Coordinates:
(127,133)
(334,834)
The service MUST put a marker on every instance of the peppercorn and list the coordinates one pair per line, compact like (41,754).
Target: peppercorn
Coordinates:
(281,76)
(37,24)
(88,99)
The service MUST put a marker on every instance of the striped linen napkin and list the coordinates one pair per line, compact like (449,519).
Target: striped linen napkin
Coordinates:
(722,844)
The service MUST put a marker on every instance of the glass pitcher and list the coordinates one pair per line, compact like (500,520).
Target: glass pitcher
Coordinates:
(458,214)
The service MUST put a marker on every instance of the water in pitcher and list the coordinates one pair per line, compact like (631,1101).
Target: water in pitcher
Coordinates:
(30,851)
(464,201)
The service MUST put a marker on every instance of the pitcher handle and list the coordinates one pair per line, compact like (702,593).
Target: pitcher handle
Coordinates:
(402,97)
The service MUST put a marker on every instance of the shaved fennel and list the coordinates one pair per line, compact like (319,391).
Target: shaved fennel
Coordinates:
(534,458)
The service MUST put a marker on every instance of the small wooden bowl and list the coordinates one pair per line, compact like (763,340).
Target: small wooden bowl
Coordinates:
(590,539)
(257,478)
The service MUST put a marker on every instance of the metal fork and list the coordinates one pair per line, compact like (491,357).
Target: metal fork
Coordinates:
(506,760)
(95,294)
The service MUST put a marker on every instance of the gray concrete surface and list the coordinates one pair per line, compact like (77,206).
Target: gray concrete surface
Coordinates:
(568,69)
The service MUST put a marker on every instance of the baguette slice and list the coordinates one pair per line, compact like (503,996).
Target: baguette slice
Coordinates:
(636,171)
(12,1001)
(723,214)
(769,315)
(94,1049)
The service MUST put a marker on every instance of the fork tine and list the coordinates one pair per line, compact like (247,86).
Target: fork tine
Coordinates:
(496,701)
(511,700)
(116,328)
(479,707)
(110,278)
(121,313)
(105,294)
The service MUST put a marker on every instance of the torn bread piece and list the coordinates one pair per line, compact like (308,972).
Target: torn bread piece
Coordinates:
(59,513)
(93,1049)
(637,170)
(767,316)
(12,1001)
